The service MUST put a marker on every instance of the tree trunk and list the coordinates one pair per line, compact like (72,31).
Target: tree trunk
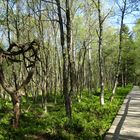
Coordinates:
(70,65)
(100,52)
(120,51)
(16,110)
(89,72)
(65,66)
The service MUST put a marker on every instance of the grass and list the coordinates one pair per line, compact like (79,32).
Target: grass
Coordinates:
(90,121)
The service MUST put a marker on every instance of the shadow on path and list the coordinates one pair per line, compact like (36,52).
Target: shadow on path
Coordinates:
(126,125)
(115,135)
(119,126)
(124,137)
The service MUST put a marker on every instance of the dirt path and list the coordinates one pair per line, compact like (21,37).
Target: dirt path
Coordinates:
(126,125)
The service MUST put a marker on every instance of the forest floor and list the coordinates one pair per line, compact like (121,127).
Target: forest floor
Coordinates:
(126,125)
(90,120)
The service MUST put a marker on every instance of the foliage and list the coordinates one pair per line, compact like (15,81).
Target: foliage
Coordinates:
(90,120)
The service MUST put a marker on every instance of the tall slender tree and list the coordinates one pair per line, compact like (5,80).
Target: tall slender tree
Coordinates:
(64,53)
(123,10)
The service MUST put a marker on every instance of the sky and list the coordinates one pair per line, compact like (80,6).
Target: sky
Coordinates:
(129,19)
(130,22)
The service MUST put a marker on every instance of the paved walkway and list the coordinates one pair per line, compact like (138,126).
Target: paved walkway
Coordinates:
(126,125)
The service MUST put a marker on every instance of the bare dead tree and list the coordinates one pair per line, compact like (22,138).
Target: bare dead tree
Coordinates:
(10,55)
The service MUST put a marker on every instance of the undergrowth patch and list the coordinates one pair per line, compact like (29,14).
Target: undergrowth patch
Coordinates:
(89,121)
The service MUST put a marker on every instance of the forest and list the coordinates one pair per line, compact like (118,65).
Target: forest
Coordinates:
(66,66)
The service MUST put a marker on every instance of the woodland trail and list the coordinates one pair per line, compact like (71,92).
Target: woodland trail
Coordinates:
(126,125)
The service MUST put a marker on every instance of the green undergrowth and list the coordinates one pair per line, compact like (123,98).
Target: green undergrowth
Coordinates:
(90,121)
